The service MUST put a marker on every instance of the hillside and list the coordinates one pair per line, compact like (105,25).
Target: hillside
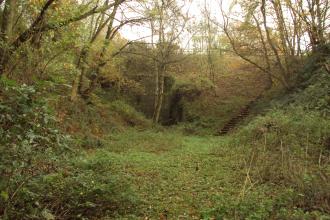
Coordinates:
(164,109)
(275,166)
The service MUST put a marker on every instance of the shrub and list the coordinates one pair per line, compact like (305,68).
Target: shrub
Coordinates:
(40,176)
(287,149)
(78,190)
(129,114)
(30,143)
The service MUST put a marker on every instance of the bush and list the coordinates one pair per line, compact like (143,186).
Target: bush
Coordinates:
(30,143)
(78,190)
(287,148)
(40,176)
(130,116)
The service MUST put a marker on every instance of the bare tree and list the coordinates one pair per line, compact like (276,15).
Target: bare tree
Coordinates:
(169,24)
(280,29)
(315,15)
(210,41)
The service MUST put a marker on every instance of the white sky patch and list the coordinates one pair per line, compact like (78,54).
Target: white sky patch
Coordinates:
(195,7)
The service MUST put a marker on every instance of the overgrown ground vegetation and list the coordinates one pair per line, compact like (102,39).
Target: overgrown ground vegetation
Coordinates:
(274,167)
(96,126)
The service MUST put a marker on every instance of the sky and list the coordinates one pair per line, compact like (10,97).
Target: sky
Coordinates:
(136,32)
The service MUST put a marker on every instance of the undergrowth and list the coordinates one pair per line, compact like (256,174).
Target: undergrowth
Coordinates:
(43,175)
(114,165)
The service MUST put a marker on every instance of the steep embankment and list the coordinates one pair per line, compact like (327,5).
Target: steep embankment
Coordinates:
(215,107)
(256,174)
(277,166)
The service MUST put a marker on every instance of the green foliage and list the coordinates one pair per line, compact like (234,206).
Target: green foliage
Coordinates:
(26,120)
(254,206)
(30,141)
(314,63)
(129,114)
(204,116)
(41,178)
(285,155)
(316,94)
(77,190)
(258,204)
(289,148)
(293,126)
(275,167)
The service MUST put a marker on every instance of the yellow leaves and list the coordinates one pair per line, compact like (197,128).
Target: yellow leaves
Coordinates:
(36,2)
(4,195)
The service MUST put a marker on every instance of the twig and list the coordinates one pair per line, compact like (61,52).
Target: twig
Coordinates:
(247,178)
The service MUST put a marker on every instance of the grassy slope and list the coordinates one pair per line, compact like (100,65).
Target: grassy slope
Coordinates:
(193,177)
(215,107)
(190,177)
(174,174)
(236,177)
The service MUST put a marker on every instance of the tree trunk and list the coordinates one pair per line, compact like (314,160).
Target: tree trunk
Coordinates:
(8,20)
(209,45)
(160,94)
(156,89)
(283,70)
(95,30)
(6,33)
(75,86)
(265,52)
(77,82)
(107,40)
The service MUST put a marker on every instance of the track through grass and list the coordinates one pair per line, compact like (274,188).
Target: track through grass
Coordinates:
(175,176)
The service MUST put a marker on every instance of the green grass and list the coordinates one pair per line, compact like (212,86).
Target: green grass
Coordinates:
(274,167)
(175,175)
(200,177)
(171,173)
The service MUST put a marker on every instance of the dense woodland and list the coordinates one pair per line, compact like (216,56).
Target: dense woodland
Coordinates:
(164,109)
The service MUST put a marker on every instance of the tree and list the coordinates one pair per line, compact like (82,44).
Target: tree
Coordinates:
(210,40)
(314,14)
(105,21)
(8,19)
(280,28)
(96,28)
(39,24)
(168,24)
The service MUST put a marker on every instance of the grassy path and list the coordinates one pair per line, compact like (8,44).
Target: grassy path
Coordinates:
(175,176)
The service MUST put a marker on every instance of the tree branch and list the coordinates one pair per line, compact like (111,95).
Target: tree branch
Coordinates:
(26,35)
